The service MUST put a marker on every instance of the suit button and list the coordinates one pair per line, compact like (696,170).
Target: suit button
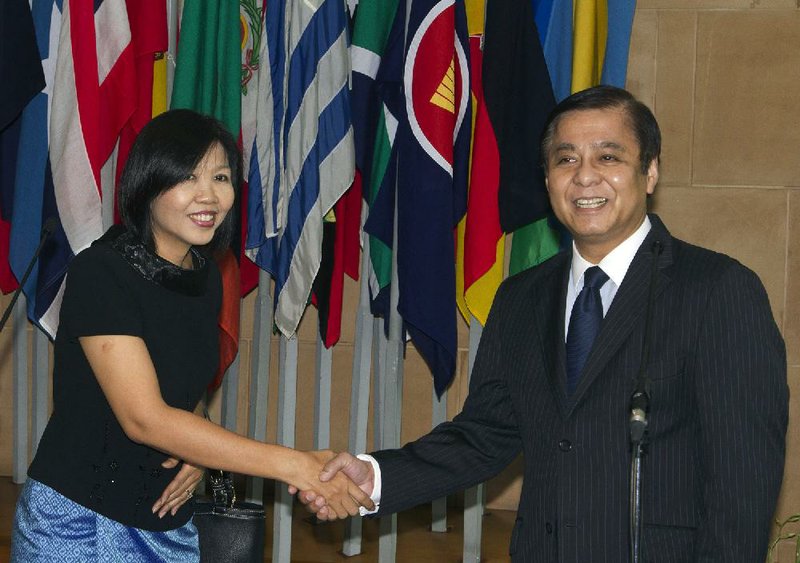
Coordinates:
(548,528)
(564,445)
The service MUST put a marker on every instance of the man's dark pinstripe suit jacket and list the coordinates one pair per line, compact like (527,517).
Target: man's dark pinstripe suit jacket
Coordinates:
(717,423)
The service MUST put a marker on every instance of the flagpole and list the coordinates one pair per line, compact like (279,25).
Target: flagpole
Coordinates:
(322,404)
(287,400)
(259,376)
(393,399)
(21,381)
(439,506)
(473,497)
(40,397)
(172,45)
(392,382)
(359,390)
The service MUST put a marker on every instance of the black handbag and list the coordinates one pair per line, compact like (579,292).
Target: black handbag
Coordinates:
(229,531)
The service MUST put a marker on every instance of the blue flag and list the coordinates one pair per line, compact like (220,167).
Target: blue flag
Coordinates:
(433,148)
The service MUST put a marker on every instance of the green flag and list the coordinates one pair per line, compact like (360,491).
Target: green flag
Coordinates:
(532,245)
(374,128)
(208,70)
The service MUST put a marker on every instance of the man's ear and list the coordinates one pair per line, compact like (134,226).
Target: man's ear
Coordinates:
(652,176)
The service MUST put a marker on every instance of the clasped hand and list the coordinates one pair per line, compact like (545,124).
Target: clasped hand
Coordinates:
(331,486)
(346,470)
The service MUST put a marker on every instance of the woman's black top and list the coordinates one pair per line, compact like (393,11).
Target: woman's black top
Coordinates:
(118,287)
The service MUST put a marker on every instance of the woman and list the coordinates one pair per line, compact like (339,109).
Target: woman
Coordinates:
(135,350)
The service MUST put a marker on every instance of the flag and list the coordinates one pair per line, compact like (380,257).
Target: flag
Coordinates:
(433,147)
(483,240)
(533,244)
(543,11)
(252,28)
(207,73)
(340,252)
(159,84)
(620,23)
(9,143)
(319,159)
(377,59)
(589,42)
(148,24)
(208,80)
(262,132)
(476,12)
(585,42)
(519,98)
(91,100)
(371,29)
(30,173)
(22,76)
(556,42)
(20,65)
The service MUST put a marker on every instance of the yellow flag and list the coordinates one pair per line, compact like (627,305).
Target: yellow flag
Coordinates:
(590,29)
(476,13)
(159,84)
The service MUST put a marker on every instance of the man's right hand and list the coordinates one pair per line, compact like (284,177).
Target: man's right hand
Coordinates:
(358,471)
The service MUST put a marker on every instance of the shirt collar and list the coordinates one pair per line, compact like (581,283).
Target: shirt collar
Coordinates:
(616,262)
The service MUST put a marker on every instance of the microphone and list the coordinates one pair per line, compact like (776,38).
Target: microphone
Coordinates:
(639,406)
(640,400)
(49,226)
(640,403)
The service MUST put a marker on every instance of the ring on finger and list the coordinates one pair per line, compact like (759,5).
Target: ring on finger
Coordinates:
(189,493)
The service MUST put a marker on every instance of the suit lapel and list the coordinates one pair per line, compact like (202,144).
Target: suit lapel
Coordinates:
(629,307)
(548,304)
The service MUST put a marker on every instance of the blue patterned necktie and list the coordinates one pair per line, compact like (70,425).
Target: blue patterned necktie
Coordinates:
(584,324)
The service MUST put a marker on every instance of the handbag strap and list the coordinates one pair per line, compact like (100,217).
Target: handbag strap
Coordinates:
(222,488)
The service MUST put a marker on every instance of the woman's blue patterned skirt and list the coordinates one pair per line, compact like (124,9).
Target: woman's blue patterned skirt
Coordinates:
(48,527)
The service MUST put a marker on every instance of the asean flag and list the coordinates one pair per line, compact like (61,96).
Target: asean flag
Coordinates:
(433,144)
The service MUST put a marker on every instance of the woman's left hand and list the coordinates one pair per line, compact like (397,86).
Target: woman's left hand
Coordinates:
(180,489)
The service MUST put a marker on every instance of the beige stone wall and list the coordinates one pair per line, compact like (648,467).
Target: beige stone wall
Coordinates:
(723,78)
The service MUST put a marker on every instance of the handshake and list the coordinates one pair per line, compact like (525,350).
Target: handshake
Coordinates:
(334,485)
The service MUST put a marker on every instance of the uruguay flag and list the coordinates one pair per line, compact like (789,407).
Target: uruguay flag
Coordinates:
(318,154)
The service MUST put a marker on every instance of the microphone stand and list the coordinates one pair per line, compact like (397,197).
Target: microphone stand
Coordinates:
(640,405)
(47,229)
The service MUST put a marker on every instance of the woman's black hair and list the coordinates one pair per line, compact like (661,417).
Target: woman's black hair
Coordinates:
(640,118)
(165,152)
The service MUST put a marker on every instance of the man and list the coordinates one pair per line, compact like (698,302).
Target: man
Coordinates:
(547,386)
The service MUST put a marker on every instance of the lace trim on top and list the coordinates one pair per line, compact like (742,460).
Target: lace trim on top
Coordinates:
(156,269)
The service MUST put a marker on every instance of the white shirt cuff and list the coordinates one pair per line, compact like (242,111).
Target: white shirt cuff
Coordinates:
(376,487)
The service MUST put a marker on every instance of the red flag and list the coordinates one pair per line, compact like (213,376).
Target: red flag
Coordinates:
(483,239)
(8,282)
(228,315)
(340,253)
(148,23)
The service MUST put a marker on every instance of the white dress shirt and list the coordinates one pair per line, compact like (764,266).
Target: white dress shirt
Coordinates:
(615,265)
